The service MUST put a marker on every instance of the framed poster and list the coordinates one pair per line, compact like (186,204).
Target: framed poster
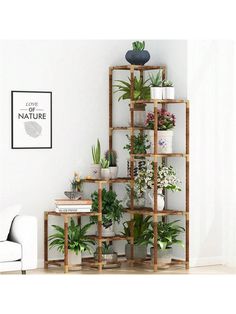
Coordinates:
(31,114)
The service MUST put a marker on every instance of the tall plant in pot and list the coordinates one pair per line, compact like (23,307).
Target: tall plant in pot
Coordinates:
(112,211)
(78,241)
(156,85)
(167,235)
(105,170)
(168,90)
(142,234)
(141,146)
(141,92)
(138,55)
(111,156)
(166,123)
(96,167)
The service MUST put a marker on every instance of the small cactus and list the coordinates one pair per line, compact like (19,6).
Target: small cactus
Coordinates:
(111,156)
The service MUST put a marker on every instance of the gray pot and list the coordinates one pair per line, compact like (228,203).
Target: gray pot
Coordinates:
(163,257)
(140,251)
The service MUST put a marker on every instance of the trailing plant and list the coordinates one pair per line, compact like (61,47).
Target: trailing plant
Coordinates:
(77,238)
(111,207)
(138,45)
(141,143)
(76,183)
(166,120)
(156,79)
(106,248)
(96,153)
(143,233)
(111,155)
(167,83)
(141,90)
(104,163)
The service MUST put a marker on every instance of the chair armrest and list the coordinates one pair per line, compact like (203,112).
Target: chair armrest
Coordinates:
(24,231)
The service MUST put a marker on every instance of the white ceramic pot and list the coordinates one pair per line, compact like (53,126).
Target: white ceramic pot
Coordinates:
(113,172)
(168,93)
(160,199)
(105,173)
(74,260)
(139,164)
(95,171)
(164,141)
(107,232)
(156,92)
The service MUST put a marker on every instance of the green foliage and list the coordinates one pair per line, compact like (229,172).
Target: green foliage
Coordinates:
(138,45)
(106,248)
(111,207)
(156,80)
(141,90)
(104,163)
(167,83)
(111,155)
(142,231)
(77,239)
(141,143)
(96,153)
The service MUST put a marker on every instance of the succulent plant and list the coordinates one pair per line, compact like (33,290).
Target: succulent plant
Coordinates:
(104,163)
(156,80)
(138,45)
(96,153)
(167,83)
(111,156)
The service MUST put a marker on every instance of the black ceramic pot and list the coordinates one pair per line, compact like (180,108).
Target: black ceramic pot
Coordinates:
(137,57)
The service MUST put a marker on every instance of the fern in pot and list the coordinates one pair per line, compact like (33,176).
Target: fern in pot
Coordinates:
(78,241)
(96,167)
(111,156)
(112,211)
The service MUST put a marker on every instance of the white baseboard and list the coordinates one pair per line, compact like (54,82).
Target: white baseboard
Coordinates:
(206,261)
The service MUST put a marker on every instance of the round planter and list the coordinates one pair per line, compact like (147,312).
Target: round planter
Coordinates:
(156,92)
(140,251)
(168,93)
(95,171)
(113,172)
(139,164)
(107,232)
(160,199)
(163,257)
(139,115)
(107,259)
(164,141)
(74,260)
(105,173)
(137,57)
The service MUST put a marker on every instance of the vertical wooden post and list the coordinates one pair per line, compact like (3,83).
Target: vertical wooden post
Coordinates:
(100,226)
(187,185)
(66,262)
(110,108)
(46,240)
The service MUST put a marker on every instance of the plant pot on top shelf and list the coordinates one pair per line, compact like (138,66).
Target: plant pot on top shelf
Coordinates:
(111,156)
(156,88)
(137,56)
(95,168)
(168,90)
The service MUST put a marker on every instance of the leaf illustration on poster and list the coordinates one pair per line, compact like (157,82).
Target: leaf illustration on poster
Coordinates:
(31,119)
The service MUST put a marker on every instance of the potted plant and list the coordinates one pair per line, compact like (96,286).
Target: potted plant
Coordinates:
(109,257)
(166,123)
(168,90)
(141,146)
(76,186)
(105,171)
(138,55)
(142,234)
(111,211)
(96,167)
(156,85)
(78,242)
(167,236)
(111,156)
(141,92)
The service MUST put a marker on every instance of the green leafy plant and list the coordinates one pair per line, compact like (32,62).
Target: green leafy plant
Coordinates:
(167,83)
(111,207)
(77,238)
(104,163)
(141,143)
(166,120)
(138,45)
(156,80)
(76,183)
(141,90)
(143,233)
(96,153)
(106,248)
(111,156)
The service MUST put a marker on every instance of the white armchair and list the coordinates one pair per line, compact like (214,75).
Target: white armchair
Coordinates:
(19,251)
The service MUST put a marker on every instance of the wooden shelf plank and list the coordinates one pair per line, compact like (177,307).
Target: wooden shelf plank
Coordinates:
(72,214)
(116,237)
(161,155)
(161,101)
(138,67)
(149,211)
(117,180)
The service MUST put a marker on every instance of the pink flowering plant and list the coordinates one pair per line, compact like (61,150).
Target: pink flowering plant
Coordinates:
(166,120)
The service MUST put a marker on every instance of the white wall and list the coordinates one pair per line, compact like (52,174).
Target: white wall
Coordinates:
(77,74)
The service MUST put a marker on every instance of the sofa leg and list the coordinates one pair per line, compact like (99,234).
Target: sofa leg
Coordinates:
(23,272)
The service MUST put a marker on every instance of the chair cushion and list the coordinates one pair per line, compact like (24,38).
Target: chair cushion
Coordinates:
(6,217)
(9,251)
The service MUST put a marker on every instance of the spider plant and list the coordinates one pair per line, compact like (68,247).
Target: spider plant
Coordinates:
(96,153)
(141,90)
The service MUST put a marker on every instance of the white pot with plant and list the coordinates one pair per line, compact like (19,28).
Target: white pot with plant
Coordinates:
(105,170)
(95,169)
(78,242)
(111,156)
(111,211)
(156,85)
(168,233)
(168,90)
(166,123)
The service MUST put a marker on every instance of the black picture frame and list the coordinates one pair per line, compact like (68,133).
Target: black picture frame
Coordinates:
(12,119)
